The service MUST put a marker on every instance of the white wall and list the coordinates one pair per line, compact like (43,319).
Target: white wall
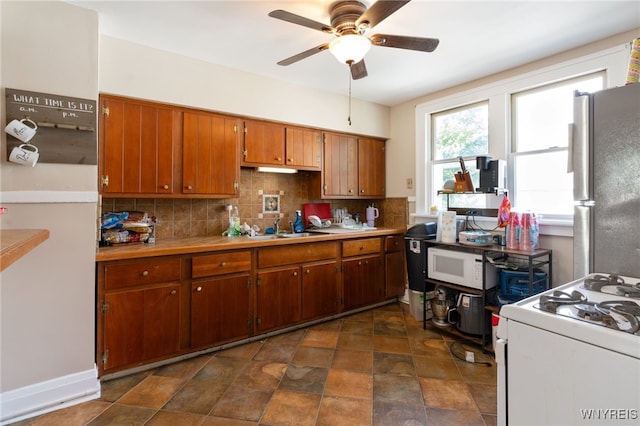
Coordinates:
(47,298)
(137,71)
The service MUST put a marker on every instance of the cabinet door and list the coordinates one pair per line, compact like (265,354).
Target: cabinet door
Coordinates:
(263,143)
(363,281)
(319,290)
(278,298)
(371,168)
(210,155)
(219,310)
(394,271)
(303,148)
(340,171)
(137,147)
(140,325)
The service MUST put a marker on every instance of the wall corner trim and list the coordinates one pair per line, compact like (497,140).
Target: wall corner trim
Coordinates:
(50,395)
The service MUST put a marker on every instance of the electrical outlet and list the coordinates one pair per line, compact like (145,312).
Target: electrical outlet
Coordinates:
(409,183)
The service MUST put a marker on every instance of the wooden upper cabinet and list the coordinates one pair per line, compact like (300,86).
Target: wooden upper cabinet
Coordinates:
(340,172)
(263,144)
(210,154)
(138,147)
(371,168)
(303,148)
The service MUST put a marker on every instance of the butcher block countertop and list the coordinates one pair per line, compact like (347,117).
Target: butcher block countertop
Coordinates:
(16,243)
(220,243)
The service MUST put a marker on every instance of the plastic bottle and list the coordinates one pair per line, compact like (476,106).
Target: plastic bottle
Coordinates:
(298,226)
(234,222)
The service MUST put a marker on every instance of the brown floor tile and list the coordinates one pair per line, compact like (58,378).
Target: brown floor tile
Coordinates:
(388,363)
(184,370)
(393,316)
(313,357)
(221,370)
(344,411)
(439,416)
(355,341)
(290,338)
(275,351)
(152,392)
(355,360)
(112,390)
(490,420)
(357,327)
(433,348)
(448,394)
(335,325)
(291,409)
(349,384)
(261,374)
(80,414)
(361,316)
(386,328)
(223,421)
(304,379)
(243,403)
(436,368)
(485,397)
(397,389)
(320,339)
(393,414)
(172,418)
(398,345)
(197,396)
(119,414)
(246,351)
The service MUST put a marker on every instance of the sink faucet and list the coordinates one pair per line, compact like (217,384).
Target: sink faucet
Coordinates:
(276,226)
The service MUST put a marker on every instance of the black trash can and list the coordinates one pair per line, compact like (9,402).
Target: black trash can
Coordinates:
(416,254)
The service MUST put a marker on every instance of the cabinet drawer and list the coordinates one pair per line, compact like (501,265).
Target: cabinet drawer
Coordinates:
(220,264)
(296,254)
(148,271)
(393,243)
(361,246)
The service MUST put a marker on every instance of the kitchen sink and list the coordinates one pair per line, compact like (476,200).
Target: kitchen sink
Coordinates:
(263,237)
(273,236)
(301,234)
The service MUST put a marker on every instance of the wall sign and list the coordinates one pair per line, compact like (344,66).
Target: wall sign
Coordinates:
(66,126)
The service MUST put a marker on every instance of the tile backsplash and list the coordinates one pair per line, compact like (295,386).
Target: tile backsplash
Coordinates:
(182,218)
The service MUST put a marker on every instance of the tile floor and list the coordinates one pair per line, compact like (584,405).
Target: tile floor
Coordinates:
(377,367)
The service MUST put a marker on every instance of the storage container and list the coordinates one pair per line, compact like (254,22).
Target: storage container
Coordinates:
(416,304)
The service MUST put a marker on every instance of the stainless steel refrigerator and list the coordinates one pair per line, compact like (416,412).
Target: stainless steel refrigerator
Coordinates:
(606,170)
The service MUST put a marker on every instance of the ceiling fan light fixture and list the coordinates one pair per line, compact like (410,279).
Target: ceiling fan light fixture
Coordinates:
(350,48)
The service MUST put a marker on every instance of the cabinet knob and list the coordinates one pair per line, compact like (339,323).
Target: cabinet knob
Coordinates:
(295,274)
(278,159)
(145,273)
(199,288)
(361,247)
(173,292)
(307,271)
(189,187)
(351,191)
(362,191)
(165,186)
(223,265)
(289,160)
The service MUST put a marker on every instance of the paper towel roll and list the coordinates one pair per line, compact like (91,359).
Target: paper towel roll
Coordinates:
(448,227)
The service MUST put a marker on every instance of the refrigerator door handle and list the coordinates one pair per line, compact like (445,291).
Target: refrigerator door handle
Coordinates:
(579,148)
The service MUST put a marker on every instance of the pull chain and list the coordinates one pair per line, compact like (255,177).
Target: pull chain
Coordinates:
(349,117)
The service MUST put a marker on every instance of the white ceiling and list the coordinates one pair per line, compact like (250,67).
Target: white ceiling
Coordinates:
(477,38)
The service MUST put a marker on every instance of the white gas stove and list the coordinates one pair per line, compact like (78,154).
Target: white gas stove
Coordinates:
(571,355)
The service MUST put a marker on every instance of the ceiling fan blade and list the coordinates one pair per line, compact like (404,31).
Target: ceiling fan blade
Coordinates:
(405,42)
(301,20)
(380,11)
(305,54)
(358,70)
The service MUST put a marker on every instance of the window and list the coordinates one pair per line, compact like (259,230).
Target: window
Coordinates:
(540,138)
(460,132)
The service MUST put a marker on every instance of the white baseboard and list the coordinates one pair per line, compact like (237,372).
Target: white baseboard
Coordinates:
(51,395)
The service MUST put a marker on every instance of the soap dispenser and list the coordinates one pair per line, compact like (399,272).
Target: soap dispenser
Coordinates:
(298,226)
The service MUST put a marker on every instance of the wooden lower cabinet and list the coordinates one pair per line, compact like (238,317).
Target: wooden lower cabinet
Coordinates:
(320,296)
(278,298)
(363,281)
(140,325)
(220,310)
(394,266)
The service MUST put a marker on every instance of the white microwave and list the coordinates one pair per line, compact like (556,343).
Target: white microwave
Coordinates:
(459,267)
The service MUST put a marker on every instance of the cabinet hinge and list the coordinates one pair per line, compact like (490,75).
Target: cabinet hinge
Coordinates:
(257,282)
(249,323)
(105,307)
(105,356)
(105,111)
(245,131)
(244,153)
(324,187)
(236,186)
(258,321)
(235,128)
(104,180)
(249,283)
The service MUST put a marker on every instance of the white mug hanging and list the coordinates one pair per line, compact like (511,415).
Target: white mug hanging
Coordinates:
(25,154)
(19,129)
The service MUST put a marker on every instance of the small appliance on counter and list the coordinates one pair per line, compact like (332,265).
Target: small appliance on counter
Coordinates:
(442,305)
(492,174)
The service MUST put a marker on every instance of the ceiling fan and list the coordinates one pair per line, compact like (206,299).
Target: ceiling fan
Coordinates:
(349,21)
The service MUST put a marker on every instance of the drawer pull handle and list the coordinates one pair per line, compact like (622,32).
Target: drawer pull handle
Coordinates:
(199,288)
(361,247)
(145,273)
(173,292)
